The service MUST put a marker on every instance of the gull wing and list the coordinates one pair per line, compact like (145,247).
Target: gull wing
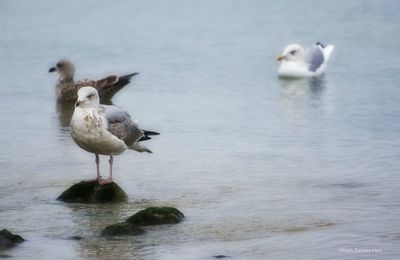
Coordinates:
(315,58)
(121,125)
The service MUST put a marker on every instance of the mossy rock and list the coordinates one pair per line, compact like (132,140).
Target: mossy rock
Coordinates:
(122,229)
(156,216)
(93,192)
(8,239)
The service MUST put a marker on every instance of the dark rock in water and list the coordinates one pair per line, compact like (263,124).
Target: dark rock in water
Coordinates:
(13,237)
(221,256)
(5,243)
(147,217)
(75,238)
(122,229)
(93,192)
(156,216)
(8,239)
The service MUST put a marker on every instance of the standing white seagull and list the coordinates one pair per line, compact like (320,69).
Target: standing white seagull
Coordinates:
(104,129)
(297,62)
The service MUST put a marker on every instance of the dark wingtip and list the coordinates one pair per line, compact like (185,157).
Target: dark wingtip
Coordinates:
(320,44)
(144,138)
(133,74)
(147,135)
(151,133)
(52,69)
(128,76)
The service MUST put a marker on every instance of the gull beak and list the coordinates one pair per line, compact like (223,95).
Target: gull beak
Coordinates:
(52,69)
(281,57)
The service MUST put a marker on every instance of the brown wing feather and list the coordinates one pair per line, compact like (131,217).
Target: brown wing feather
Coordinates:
(107,87)
(68,90)
(103,84)
(85,83)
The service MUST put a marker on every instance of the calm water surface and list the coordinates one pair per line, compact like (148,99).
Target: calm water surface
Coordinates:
(262,168)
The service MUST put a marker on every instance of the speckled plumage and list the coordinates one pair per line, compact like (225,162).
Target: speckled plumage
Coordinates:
(104,129)
(67,88)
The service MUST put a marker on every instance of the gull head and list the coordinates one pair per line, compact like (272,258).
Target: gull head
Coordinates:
(65,68)
(293,52)
(87,97)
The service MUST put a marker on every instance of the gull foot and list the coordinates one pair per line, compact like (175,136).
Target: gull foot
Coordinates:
(104,181)
(96,179)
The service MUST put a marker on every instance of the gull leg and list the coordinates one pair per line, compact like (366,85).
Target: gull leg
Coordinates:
(98,167)
(101,182)
(111,164)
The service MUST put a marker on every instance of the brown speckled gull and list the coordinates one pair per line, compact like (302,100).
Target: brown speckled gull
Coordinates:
(67,88)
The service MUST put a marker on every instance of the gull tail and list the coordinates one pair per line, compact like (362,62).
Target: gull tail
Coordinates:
(140,148)
(326,49)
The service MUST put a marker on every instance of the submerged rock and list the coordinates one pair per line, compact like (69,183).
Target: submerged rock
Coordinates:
(147,217)
(93,192)
(8,239)
(156,216)
(77,238)
(122,229)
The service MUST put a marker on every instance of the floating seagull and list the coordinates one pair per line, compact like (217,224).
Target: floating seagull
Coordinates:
(104,129)
(67,88)
(299,62)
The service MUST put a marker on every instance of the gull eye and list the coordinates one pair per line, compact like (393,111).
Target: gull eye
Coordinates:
(293,52)
(90,96)
(60,65)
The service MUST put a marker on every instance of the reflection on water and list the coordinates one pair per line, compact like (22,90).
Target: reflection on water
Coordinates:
(300,95)
(64,113)
(91,219)
(315,86)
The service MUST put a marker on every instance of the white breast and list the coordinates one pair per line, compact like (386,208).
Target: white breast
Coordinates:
(89,131)
(294,69)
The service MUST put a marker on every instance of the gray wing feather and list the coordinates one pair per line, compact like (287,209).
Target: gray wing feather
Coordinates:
(121,125)
(315,58)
